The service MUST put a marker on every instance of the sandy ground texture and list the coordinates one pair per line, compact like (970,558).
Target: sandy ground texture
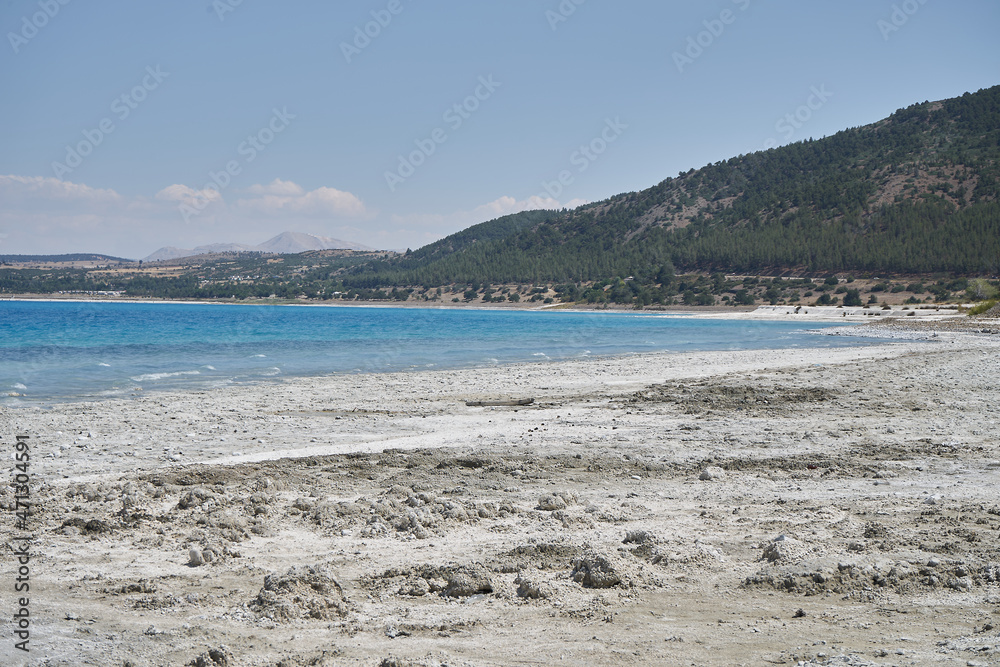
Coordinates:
(821,507)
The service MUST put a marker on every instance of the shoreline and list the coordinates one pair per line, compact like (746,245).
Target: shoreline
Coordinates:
(762,312)
(307,396)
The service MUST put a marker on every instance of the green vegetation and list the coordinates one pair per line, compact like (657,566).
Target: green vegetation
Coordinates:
(297,277)
(231,276)
(980,289)
(852,298)
(981,308)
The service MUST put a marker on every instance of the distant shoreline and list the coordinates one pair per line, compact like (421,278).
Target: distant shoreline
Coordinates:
(775,313)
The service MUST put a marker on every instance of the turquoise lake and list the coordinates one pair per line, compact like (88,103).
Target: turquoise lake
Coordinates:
(52,351)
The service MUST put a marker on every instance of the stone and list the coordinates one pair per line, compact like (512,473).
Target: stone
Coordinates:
(530,589)
(415,588)
(712,473)
(639,537)
(216,657)
(468,581)
(195,497)
(551,503)
(784,549)
(596,571)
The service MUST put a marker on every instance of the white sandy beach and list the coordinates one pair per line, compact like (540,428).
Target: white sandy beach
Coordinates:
(652,509)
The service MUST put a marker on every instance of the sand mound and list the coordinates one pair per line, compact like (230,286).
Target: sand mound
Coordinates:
(458,581)
(403,513)
(711,397)
(784,549)
(216,657)
(812,577)
(302,592)
(195,498)
(531,587)
(537,557)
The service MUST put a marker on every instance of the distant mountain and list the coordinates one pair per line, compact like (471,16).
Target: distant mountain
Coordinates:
(286,243)
(292,243)
(46,259)
(171,252)
(917,192)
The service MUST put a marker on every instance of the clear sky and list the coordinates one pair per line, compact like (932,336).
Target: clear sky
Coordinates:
(126,126)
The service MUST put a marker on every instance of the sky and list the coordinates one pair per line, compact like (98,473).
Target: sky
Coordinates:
(127,126)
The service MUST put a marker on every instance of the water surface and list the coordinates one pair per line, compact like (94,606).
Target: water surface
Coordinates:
(69,350)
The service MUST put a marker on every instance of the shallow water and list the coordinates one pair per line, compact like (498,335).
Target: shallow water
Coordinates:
(69,350)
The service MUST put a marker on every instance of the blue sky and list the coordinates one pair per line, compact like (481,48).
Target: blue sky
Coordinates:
(232,121)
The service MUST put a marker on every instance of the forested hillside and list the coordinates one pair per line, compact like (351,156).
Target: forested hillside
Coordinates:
(914,193)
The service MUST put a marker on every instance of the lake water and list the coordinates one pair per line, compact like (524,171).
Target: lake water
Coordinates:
(69,350)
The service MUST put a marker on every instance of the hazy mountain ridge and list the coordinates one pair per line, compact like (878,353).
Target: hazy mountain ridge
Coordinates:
(73,257)
(290,243)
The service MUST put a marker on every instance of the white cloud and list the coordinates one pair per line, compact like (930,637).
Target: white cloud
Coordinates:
(27,191)
(277,198)
(43,215)
(184,195)
(287,198)
(277,187)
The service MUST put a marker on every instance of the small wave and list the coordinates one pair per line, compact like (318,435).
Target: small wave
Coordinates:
(161,376)
(273,370)
(211,368)
(104,364)
(259,356)
(18,385)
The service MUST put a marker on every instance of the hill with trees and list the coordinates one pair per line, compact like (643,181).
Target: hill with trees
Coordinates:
(914,193)
(53,259)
